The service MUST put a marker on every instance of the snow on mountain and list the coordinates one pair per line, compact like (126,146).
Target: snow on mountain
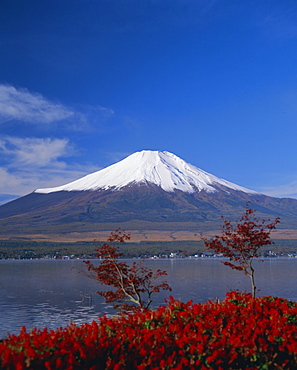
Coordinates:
(160,168)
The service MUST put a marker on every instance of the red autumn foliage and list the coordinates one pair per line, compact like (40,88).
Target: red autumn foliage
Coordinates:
(241,332)
(133,283)
(242,242)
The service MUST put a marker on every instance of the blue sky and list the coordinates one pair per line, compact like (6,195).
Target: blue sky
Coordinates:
(85,83)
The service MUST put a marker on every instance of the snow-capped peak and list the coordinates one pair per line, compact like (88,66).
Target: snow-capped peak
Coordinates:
(163,169)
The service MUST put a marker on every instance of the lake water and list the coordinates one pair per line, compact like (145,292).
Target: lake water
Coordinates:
(48,293)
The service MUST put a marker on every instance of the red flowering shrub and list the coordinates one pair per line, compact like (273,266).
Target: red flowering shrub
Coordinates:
(240,333)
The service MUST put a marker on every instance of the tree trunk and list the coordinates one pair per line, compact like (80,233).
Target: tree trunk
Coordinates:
(251,274)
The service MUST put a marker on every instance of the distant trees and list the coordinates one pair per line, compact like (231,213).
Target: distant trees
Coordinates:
(240,243)
(135,284)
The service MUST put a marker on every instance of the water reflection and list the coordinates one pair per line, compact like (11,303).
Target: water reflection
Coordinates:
(48,293)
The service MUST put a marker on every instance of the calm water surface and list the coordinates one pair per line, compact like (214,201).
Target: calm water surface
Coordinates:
(48,293)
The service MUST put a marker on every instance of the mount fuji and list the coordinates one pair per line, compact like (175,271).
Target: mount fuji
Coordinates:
(148,190)
(162,169)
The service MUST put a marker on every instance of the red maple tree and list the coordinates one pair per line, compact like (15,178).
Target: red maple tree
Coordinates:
(241,243)
(135,283)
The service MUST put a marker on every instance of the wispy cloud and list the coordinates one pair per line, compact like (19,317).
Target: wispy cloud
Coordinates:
(32,163)
(27,163)
(288,190)
(22,105)
(15,183)
(7,180)
(36,152)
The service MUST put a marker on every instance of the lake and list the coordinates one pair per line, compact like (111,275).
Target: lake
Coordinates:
(48,293)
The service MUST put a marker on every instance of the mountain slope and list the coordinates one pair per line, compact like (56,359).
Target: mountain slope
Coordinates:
(163,169)
(147,190)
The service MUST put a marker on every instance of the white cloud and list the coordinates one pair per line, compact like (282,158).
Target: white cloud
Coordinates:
(22,105)
(21,182)
(31,163)
(7,180)
(281,191)
(27,163)
(35,152)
